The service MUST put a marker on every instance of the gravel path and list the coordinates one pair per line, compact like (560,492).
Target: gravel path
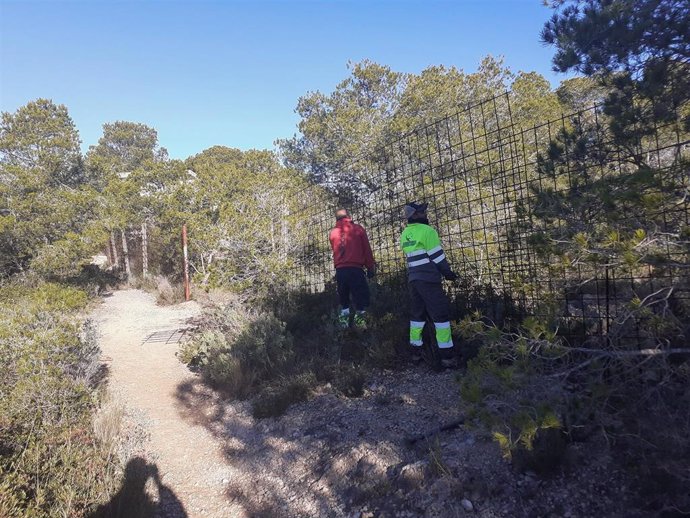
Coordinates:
(145,377)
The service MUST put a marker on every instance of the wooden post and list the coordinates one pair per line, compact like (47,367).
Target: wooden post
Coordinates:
(109,252)
(144,251)
(186,263)
(113,246)
(125,253)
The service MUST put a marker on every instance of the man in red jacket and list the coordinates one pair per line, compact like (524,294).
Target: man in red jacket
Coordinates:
(351,255)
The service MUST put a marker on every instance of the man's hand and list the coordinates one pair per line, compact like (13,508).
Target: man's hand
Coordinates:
(451,276)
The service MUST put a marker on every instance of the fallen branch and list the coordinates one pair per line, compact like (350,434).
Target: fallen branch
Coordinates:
(626,354)
(443,428)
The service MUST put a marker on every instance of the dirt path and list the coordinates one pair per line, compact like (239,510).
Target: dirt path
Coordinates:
(145,377)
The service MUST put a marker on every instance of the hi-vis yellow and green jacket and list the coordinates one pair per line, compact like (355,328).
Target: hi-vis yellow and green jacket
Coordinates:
(425,258)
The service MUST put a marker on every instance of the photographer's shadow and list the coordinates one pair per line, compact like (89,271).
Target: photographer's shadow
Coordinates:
(133,501)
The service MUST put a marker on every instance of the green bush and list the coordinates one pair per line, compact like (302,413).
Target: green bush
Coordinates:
(195,352)
(51,463)
(292,336)
(235,350)
(46,297)
(264,347)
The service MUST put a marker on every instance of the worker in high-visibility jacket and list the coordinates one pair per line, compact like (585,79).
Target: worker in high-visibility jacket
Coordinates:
(426,268)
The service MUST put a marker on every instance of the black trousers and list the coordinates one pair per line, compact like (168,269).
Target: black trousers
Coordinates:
(352,281)
(428,298)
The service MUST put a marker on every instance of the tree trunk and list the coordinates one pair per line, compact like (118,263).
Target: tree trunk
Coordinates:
(186,263)
(284,234)
(113,247)
(144,251)
(125,253)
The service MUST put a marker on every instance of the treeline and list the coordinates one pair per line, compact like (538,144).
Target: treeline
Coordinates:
(59,207)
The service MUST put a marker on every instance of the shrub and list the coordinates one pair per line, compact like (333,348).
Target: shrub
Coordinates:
(51,463)
(264,347)
(350,380)
(534,392)
(275,398)
(64,258)
(195,352)
(223,369)
(235,349)
(505,389)
(167,293)
(388,334)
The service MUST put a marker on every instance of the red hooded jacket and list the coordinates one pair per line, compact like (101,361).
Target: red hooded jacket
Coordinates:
(350,246)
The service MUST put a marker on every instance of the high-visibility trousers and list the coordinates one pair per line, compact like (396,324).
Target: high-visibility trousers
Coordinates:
(428,298)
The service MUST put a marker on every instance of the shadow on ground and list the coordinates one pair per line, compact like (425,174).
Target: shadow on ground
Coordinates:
(142,495)
(332,456)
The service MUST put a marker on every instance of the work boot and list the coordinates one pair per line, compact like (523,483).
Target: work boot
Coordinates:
(344,319)
(360,320)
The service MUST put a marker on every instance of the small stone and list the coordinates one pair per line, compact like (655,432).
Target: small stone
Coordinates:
(226,481)
(412,475)
(467,505)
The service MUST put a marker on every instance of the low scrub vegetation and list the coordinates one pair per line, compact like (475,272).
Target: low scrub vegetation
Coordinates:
(51,461)
(277,397)
(166,291)
(534,394)
(238,349)
(287,345)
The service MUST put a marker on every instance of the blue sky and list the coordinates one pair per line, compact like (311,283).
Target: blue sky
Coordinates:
(230,73)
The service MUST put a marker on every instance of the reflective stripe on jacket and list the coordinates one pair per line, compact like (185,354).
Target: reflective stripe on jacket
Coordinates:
(425,258)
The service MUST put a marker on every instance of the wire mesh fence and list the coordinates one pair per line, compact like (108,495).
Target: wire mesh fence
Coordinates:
(582,226)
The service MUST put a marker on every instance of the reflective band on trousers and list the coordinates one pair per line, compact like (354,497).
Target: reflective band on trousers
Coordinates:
(416,332)
(443,335)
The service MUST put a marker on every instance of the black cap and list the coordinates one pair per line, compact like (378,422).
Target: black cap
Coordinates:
(412,208)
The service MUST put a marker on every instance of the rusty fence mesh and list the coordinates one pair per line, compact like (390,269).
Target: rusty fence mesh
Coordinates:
(580,225)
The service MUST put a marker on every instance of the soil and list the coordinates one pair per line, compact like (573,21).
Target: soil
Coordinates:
(331,456)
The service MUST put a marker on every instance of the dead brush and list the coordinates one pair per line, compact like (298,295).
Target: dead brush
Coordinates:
(436,463)
(107,423)
(166,292)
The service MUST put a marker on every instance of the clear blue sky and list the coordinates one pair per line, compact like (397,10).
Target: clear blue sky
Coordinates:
(230,73)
